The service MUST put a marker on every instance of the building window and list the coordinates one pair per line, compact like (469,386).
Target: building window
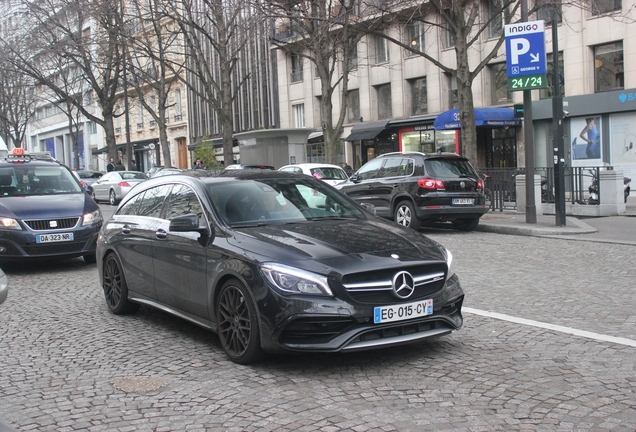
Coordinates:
(608,66)
(453,100)
(353,56)
(384,101)
(91,128)
(140,114)
(448,36)
(353,106)
(600,7)
(546,12)
(419,98)
(499,84)
(299,115)
(415,37)
(177,105)
(497,18)
(547,93)
(296,67)
(381,50)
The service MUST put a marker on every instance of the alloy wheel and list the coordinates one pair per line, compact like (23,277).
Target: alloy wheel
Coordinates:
(112,282)
(235,327)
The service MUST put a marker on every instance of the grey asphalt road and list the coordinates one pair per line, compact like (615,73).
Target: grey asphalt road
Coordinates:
(548,344)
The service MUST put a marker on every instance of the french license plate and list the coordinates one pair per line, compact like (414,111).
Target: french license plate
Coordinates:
(384,314)
(463,201)
(49,238)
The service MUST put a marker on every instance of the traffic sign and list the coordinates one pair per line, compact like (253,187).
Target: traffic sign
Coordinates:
(525,49)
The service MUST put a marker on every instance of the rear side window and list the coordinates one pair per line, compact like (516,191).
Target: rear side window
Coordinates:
(132,206)
(449,168)
(370,169)
(397,167)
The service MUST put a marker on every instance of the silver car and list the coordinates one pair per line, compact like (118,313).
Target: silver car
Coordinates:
(113,186)
(4,288)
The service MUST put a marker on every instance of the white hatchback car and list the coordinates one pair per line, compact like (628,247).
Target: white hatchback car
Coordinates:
(330,174)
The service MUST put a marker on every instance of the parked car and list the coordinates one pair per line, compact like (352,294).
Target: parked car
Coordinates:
(113,186)
(252,166)
(44,212)
(152,171)
(88,176)
(331,174)
(169,171)
(4,286)
(418,188)
(247,256)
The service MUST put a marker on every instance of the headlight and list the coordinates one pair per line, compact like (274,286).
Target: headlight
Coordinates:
(92,217)
(296,281)
(8,223)
(449,262)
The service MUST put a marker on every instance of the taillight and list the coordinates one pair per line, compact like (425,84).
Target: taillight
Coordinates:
(83,183)
(480,185)
(123,184)
(428,183)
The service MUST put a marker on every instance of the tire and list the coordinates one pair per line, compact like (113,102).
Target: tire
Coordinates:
(112,198)
(115,287)
(237,323)
(90,258)
(404,215)
(466,224)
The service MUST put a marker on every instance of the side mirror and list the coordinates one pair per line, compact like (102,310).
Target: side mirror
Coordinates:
(369,207)
(187,223)
(354,178)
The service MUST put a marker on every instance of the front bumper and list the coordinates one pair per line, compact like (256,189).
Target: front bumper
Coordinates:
(333,325)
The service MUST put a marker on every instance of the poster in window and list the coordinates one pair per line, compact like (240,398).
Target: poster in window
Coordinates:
(587,149)
(623,138)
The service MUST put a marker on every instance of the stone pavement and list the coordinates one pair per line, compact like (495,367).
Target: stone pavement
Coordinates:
(614,229)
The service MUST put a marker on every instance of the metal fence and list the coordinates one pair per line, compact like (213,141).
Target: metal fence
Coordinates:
(500,186)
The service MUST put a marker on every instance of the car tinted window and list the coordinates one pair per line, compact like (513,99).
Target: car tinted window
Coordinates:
(134,176)
(370,169)
(182,201)
(329,173)
(152,201)
(131,207)
(449,168)
(397,167)
(37,180)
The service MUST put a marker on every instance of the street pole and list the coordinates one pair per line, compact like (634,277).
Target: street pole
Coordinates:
(129,150)
(528,129)
(557,118)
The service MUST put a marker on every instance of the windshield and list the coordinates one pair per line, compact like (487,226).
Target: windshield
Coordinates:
(250,202)
(25,179)
(328,173)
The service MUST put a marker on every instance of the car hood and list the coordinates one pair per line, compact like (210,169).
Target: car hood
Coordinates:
(337,244)
(43,206)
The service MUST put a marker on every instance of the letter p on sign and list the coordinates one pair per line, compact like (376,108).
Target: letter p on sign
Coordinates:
(518,47)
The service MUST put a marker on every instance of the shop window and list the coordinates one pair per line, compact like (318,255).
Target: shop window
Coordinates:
(384,101)
(499,84)
(600,7)
(296,67)
(548,92)
(353,106)
(415,37)
(299,115)
(419,98)
(608,67)
(381,50)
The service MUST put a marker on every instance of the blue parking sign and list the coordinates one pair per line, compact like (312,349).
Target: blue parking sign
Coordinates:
(525,49)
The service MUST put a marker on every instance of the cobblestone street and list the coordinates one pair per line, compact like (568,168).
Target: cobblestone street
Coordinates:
(69,364)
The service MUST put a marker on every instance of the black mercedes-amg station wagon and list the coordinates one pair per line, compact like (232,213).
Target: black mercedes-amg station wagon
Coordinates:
(275,262)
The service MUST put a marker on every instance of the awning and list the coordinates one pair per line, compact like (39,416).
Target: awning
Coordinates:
(367,130)
(488,117)
(137,145)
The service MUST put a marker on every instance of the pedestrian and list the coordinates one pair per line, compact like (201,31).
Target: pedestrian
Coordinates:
(120,166)
(111,165)
(198,164)
(347,169)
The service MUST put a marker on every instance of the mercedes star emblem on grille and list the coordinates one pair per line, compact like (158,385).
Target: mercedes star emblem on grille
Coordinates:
(403,285)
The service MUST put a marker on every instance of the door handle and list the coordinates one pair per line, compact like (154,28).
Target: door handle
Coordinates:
(125,229)
(161,234)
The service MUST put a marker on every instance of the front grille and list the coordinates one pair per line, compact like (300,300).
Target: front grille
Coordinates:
(45,224)
(54,249)
(377,286)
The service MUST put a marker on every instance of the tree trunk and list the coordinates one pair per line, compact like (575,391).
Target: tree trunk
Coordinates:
(468,132)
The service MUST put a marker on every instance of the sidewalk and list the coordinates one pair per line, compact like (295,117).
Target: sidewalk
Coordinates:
(614,229)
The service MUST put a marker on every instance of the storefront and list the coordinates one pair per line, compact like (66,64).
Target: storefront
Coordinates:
(599,129)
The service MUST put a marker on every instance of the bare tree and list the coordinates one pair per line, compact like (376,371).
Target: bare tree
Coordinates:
(154,61)
(17,102)
(325,32)
(84,38)
(216,34)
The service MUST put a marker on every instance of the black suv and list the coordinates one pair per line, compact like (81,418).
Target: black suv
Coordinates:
(415,188)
